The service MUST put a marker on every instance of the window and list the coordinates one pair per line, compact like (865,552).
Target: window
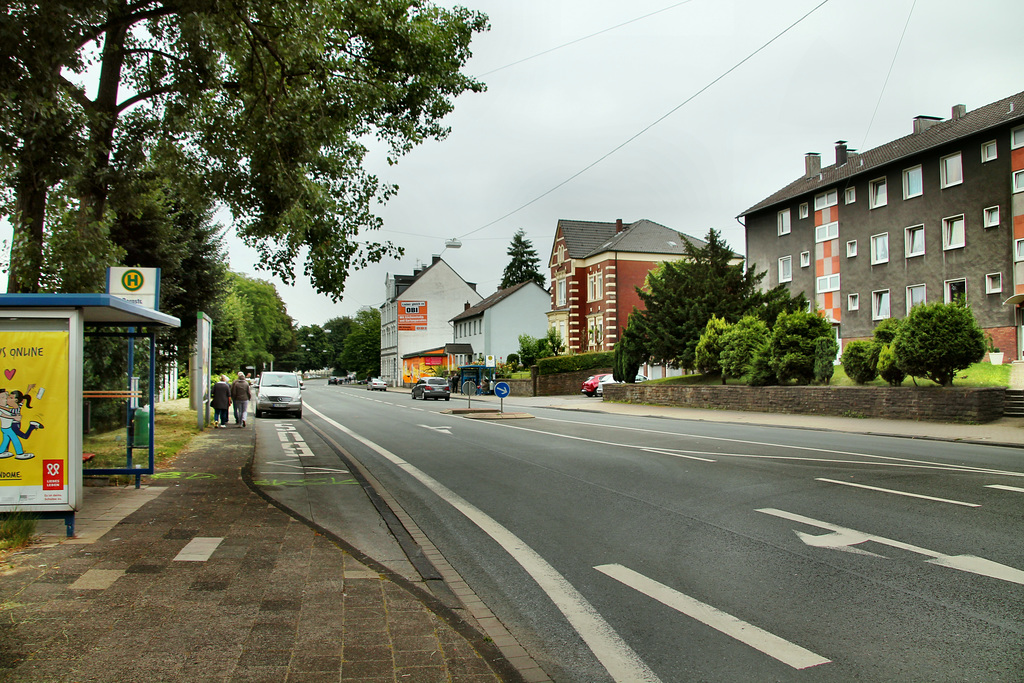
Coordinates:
(784,222)
(914,240)
(826,232)
(805,259)
(880,248)
(956,289)
(1017,137)
(560,297)
(803,210)
(880,305)
(851,248)
(1018,250)
(953,232)
(826,199)
(786,269)
(989,151)
(913,182)
(951,170)
(853,302)
(991,217)
(828,283)
(1018,181)
(851,195)
(594,287)
(877,193)
(915,296)
(993,283)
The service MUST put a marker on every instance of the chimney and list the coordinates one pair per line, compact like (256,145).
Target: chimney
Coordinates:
(467,307)
(840,152)
(812,164)
(618,226)
(958,111)
(923,123)
(435,258)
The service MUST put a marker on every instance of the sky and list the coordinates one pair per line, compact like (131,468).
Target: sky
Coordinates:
(684,113)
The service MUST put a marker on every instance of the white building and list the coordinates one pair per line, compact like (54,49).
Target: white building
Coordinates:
(416,313)
(492,327)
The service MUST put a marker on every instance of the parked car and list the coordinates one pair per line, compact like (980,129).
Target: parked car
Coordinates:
(279,392)
(605,379)
(590,385)
(333,380)
(431,387)
(376,384)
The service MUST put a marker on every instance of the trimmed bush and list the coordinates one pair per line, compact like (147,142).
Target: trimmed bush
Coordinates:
(859,361)
(761,372)
(825,350)
(709,347)
(740,343)
(572,363)
(791,348)
(888,368)
(938,340)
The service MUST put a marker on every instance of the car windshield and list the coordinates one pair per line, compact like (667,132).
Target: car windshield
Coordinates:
(279,381)
(436,380)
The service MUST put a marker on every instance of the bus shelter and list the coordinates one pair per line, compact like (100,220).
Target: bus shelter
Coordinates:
(42,398)
(477,374)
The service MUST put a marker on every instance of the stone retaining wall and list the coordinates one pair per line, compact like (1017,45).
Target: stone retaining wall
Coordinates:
(936,404)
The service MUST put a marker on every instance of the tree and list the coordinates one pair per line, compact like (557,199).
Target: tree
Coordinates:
(268,322)
(791,349)
(266,102)
(860,360)
(825,350)
(938,340)
(524,263)
(709,347)
(361,354)
(740,344)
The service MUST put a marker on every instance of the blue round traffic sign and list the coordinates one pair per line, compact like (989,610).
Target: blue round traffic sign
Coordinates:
(502,389)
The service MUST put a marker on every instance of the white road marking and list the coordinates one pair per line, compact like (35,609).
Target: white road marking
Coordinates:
(676,454)
(898,493)
(1001,487)
(444,430)
(199,549)
(748,634)
(617,657)
(842,538)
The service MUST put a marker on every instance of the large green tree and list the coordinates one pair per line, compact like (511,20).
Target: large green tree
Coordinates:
(267,321)
(523,265)
(361,354)
(266,102)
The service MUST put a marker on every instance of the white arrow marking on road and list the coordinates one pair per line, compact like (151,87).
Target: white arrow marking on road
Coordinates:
(443,430)
(1001,487)
(748,634)
(842,538)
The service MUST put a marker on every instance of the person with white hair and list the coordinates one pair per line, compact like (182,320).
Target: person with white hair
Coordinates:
(241,394)
(221,401)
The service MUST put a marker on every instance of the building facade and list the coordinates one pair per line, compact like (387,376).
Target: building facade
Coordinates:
(595,270)
(493,326)
(933,216)
(416,312)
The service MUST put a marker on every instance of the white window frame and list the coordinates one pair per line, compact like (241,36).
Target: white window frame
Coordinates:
(850,196)
(946,291)
(924,298)
(851,248)
(907,241)
(1018,250)
(826,199)
(986,156)
(786,264)
(827,283)
(826,232)
(594,287)
(944,180)
(1018,181)
(877,239)
(561,298)
(1017,137)
(805,259)
(906,181)
(876,308)
(853,302)
(993,283)
(804,210)
(947,241)
(784,222)
(875,198)
(990,217)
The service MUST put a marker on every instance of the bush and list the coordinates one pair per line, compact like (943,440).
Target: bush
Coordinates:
(791,347)
(740,343)
(886,330)
(888,368)
(579,361)
(513,361)
(709,347)
(938,340)
(860,361)
(183,381)
(761,372)
(825,350)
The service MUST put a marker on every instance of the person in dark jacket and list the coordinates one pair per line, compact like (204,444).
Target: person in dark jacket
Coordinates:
(221,402)
(241,394)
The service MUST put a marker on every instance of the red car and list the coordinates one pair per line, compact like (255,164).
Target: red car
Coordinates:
(590,385)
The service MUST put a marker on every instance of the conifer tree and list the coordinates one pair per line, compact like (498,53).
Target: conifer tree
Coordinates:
(524,263)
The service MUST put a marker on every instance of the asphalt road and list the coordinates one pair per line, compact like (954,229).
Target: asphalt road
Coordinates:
(621,548)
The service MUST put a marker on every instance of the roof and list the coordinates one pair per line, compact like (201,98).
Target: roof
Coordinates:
(436,351)
(492,300)
(587,238)
(459,349)
(941,133)
(97,309)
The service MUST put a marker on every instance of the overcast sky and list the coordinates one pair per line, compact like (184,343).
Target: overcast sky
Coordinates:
(653,124)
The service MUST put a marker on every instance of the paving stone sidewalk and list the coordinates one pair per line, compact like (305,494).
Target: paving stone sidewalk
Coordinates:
(273,601)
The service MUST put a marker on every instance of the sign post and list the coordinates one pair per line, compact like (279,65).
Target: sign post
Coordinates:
(501,390)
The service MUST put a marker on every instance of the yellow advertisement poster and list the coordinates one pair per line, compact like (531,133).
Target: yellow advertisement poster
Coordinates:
(33,418)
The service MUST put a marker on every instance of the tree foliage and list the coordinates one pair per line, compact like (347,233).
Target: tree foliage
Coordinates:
(825,351)
(860,360)
(709,347)
(791,349)
(523,265)
(265,103)
(361,353)
(740,344)
(938,340)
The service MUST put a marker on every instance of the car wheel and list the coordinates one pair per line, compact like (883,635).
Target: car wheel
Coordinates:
(589,393)
(447,398)
(299,415)
(258,415)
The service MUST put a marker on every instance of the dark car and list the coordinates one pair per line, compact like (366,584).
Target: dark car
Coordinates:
(333,380)
(432,387)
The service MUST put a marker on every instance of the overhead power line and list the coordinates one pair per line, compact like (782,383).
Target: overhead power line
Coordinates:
(888,74)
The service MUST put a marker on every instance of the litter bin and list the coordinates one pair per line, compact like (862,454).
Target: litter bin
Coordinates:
(140,427)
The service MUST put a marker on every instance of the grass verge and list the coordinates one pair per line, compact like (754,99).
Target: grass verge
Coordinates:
(175,426)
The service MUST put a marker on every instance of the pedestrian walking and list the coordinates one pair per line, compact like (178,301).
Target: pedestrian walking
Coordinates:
(241,394)
(221,401)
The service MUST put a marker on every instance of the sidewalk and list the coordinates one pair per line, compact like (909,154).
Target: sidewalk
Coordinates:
(198,578)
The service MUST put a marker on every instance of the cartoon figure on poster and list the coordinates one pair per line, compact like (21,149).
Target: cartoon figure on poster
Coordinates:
(11,403)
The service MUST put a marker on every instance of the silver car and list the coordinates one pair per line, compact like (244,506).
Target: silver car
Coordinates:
(279,392)
(431,387)
(376,384)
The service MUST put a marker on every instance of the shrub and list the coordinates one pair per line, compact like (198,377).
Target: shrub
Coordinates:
(825,350)
(937,340)
(888,368)
(183,385)
(513,361)
(791,347)
(761,372)
(885,331)
(579,361)
(709,347)
(860,361)
(739,345)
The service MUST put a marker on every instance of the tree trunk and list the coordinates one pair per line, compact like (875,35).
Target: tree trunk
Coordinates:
(27,243)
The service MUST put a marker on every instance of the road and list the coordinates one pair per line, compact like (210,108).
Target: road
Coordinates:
(623,548)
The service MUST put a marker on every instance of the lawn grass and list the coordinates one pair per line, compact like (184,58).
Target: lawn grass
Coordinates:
(175,425)
(16,529)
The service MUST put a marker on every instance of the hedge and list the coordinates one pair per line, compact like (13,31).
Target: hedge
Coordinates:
(574,362)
